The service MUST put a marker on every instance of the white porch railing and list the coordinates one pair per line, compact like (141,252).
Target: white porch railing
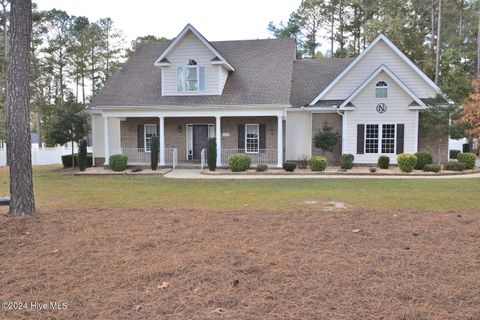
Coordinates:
(203,158)
(138,156)
(263,156)
(174,158)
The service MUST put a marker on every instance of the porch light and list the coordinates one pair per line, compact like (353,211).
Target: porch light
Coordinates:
(179,129)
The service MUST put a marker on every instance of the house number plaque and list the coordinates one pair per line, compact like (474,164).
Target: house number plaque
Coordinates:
(381,108)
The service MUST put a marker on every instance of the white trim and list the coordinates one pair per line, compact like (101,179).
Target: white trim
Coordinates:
(364,52)
(218,139)
(381,87)
(99,109)
(258,137)
(180,36)
(385,69)
(93,137)
(193,113)
(161,137)
(380,137)
(162,83)
(416,132)
(106,140)
(279,141)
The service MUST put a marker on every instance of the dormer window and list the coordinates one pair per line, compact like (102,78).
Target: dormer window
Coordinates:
(381,89)
(190,77)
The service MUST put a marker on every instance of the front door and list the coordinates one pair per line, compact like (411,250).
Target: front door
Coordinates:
(200,138)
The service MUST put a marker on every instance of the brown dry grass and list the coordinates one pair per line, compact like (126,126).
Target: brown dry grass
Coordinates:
(253,265)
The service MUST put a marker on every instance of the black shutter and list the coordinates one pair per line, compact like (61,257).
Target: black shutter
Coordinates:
(158,130)
(241,137)
(140,134)
(400,137)
(262,137)
(360,138)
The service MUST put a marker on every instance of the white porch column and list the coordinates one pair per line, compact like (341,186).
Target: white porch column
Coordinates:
(161,138)
(279,141)
(218,136)
(106,140)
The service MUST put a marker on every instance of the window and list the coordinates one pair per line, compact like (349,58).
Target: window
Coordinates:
(371,138)
(380,141)
(388,138)
(150,131)
(381,89)
(252,134)
(187,77)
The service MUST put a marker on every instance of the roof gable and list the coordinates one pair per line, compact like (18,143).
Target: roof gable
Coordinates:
(381,39)
(189,28)
(380,69)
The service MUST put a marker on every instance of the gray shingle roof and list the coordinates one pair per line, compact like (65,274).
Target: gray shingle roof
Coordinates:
(312,76)
(263,75)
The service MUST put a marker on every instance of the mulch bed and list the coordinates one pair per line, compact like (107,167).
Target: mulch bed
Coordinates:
(330,171)
(101,171)
(311,264)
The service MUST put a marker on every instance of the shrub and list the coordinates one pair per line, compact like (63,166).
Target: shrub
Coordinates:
(302,163)
(453,166)
(262,168)
(326,139)
(468,159)
(372,169)
(289,166)
(383,162)
(432,167)
(454,154)
(239,162)
(406,162)
(154,149)
(212,154)
(82,155)
(318,164)
(346,161)
(67,160)
(117,162)
(423,158)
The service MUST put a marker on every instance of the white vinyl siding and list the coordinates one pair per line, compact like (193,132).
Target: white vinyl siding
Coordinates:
(298,135)
(190,47)
(98,141)
(380,54)
(365,113)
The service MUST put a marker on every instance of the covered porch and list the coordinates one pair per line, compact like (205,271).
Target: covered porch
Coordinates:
(183,137)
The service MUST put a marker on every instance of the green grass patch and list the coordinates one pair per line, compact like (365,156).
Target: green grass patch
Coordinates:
(56,188)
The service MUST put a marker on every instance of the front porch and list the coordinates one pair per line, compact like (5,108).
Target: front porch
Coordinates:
(183,140)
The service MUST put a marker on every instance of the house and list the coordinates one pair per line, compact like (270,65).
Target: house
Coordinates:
(257,98)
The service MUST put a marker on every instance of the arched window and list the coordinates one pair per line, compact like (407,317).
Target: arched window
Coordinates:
(190,77)
(381,89)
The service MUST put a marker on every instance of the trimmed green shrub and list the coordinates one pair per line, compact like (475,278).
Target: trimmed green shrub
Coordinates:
(383,162)
(423,158)
(289,166)
(239,162)
(212,154)
(262,168)
(468,159)
(454,154)
(432,167)
(406,162)
(117,162)
(318,164)
(82,155)
(453,166)
(346,162)
(154,152)
(67,160)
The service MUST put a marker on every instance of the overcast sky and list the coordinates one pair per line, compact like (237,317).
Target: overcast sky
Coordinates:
(215,19)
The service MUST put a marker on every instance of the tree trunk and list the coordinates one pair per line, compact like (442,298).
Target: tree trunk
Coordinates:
(73,158)
(5,57)
(340,20)
(432,41)
(439,43)
(21,184)
(83,88)
(332,35)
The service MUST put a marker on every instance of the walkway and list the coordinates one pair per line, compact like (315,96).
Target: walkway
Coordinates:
(195,174)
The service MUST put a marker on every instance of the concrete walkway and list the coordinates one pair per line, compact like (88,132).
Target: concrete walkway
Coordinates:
(195,174)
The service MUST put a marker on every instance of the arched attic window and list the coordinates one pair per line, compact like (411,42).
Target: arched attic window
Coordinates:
(190,77)
(381,89)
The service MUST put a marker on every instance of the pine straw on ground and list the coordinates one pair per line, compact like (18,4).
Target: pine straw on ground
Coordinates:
(110,264)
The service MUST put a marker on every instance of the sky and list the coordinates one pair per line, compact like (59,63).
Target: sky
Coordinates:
(215,19)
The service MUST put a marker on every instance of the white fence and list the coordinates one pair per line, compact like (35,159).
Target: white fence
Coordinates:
(263,156)
(43,156)
(138,156)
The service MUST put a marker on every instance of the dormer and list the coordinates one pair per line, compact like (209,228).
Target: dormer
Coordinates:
(192,66)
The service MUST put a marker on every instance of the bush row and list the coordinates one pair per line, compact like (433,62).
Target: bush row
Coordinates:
(67,160)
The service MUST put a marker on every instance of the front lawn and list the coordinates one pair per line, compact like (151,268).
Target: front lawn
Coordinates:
(56,188)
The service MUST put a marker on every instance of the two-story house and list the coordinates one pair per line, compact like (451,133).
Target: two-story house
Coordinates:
(257,98)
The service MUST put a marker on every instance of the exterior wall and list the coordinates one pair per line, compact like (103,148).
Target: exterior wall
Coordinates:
(335,121)
(380,54)
(397,113)
(298,135)
(98,139)
(223,78)
(129,130)
(190,47)
(432,144)
(230,127)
